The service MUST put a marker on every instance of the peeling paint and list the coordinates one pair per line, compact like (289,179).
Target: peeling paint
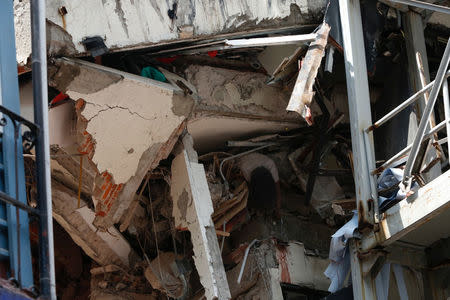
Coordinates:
(127,24)
(83,80)
(59,42)
(22,25)
(182,203)
(119,11)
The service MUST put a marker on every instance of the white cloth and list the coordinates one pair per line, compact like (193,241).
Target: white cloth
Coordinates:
(339,255)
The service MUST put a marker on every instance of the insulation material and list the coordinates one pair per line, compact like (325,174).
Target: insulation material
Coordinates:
(125,125)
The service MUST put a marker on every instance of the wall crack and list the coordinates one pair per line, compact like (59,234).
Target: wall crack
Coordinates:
(109,107)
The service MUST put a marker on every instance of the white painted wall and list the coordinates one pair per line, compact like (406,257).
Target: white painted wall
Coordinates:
(133,22)
(139,23)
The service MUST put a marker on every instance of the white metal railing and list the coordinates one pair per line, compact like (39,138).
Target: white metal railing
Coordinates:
(423,131)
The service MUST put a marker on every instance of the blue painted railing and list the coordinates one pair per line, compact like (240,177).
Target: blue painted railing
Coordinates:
(14,222)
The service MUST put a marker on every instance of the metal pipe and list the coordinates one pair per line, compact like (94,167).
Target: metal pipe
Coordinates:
(403,105)
(446,110)
(403,152)
(40,99)
(18,118)
(10,200)
(424,5)
(406,182)
(236,156)
(246,144)
(271,41)
(16,180)
(443,141)
(368,144)
(241,272)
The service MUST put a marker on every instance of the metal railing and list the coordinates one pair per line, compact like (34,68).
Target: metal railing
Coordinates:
(28,138)
(36,136)
(424,132)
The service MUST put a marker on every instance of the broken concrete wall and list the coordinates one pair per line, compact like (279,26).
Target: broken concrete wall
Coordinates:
(22,25)
(259,278)
(245,94)
(271,263)
(296,267)
(103,247)
(192,209)
(64,152)
(125,125)
(138,23)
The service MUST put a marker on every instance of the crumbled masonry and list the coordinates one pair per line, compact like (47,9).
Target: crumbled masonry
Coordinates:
(243,149)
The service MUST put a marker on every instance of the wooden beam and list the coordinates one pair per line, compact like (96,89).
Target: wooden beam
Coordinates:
(302,94)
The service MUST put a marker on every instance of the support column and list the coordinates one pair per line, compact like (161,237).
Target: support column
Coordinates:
(359,107)
(360,119)
(363,285)
(192,209)
(415,45)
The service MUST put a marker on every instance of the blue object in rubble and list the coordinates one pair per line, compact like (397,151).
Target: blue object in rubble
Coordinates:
(153,73)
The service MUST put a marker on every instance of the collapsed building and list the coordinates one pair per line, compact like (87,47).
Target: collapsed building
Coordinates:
(215,149)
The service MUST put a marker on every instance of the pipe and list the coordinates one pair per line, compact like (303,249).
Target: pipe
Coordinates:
(405,150)
(406,182)
(244,261)
(424,5)
(236,156)
(446,110)
(10,200)
(40,101)
(368,144)
(403,105)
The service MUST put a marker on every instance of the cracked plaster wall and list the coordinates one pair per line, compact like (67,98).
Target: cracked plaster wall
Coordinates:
(124,116)
(125,119)
(125,125)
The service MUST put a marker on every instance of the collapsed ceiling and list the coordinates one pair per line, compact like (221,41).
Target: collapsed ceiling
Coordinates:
(151,120)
